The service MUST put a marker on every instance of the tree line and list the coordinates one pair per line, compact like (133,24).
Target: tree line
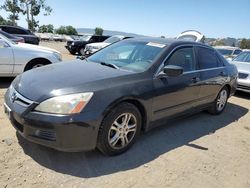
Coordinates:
(31,9)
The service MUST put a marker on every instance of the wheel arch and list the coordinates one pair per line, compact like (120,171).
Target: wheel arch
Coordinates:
(132,100)
(40,59)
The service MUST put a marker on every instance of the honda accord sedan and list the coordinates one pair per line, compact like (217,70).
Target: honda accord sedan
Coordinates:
(106,100)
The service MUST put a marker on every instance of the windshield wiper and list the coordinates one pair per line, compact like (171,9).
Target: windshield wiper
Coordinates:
(110,65)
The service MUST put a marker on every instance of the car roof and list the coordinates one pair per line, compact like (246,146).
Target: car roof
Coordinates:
(166,41)
(13,27)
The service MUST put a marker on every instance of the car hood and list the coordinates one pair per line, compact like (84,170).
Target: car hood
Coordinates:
(35,47)
(99,44)
(66,78)
(242,66)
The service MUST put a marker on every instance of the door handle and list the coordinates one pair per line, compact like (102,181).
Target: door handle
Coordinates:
(195,79)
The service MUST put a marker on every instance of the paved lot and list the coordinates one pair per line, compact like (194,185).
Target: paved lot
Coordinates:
(198,151)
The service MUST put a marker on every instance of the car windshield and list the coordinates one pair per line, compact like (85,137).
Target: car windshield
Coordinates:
(112,39)
(85,38)
(225,51)
(129,55)
(7,40)
(243,57)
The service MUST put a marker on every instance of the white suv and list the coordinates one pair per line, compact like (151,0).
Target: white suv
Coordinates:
(94,47)
(17,58)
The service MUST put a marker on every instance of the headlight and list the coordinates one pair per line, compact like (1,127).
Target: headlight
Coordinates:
(58,56)
(66,104)
(72,44)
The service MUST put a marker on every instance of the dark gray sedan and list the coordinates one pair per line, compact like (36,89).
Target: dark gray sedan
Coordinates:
(105,101)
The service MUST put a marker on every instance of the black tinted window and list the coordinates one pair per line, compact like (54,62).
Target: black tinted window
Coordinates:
(183,57)
(207,58)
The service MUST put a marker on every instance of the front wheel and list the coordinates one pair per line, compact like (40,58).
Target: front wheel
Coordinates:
(220,102)
(119,129)
(36,64)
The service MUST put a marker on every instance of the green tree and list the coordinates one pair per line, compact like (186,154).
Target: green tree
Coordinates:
(66,30)
(4,22)
(98,31)
(61,30)
(46,28)
(71,30)
(32,8)
(13,7)
(245,44)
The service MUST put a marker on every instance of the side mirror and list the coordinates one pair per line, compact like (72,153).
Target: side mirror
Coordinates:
(3,44)
(173,70)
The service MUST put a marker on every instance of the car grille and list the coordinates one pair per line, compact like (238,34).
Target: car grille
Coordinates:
(243,75)
(243,87)
(46,135)
(16,97)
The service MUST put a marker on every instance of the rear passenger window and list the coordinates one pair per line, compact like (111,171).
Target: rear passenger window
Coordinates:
(206,58)
(183,57)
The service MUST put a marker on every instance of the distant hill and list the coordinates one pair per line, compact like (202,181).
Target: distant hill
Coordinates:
(107,32)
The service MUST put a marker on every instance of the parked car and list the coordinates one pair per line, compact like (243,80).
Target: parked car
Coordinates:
(28,36)
(107,99)
(17,58)
(12,37)
(191,35)
(242,62)
(228,52)
(78,46)
(94,47)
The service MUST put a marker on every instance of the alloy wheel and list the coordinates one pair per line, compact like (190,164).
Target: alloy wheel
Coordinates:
(222,100)
(122,131)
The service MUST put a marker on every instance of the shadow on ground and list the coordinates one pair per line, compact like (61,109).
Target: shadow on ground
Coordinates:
(241,94)
(5,82)
(148,147)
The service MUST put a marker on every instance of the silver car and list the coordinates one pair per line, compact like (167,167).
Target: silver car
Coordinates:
(242,62)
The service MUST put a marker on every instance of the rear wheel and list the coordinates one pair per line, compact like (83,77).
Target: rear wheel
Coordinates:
(220,102)
(119,129)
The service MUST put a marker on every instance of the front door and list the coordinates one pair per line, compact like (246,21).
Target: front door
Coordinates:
(6,58)
(174,95)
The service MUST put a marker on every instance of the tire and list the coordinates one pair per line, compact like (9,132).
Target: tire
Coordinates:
(116,134)
(72,53)
(220,102)
(36,63)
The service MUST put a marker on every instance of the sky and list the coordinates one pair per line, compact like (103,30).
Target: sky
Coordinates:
(214,18)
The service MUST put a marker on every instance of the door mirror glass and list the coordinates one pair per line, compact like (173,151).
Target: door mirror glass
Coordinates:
(3,44)
(173,70)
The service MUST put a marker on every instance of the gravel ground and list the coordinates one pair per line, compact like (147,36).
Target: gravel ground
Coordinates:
(198,151)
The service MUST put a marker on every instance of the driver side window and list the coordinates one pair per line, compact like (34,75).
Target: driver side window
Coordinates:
(183,57)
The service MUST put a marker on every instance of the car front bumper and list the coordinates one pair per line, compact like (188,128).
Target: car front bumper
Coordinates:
(65,133)
(71,49)
(243,85)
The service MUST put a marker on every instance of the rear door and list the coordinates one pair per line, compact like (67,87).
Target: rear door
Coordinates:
(212,73)
(174,95)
